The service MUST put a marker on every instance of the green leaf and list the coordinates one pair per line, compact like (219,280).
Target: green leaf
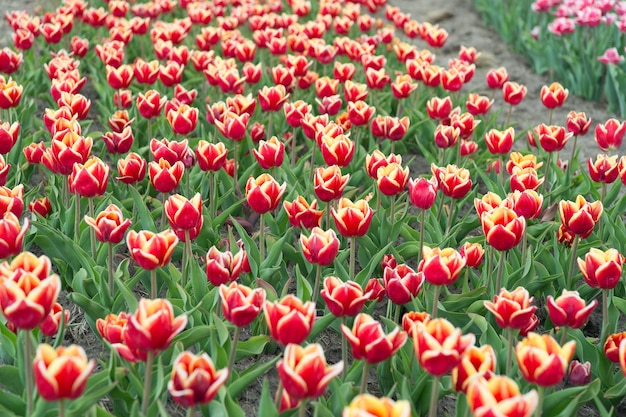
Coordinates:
(266,403)
(249,376)
(143,214)
(10,379)
(13,403)
(565,402)
(253,346)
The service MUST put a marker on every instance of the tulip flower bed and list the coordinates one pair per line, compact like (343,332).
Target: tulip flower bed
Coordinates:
(580,43)
(290,242)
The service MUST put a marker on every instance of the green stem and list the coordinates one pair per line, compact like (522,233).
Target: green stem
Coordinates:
(147,383)
(316,286)
(61,408)
(434,398)
(344,350)
(302,408)
(92,232)
(366,371)
(550,117)
(262,237)
(110,270)
(605,313)
(396,315)
(293,148)
(279,394)
(389,308)
(191,410)
(450,215)
(163,199)
(435,301)
(546,180)
(28,371)
(236,168)
(153,284)
(524,244)
(564,335)
(509,350)
(327,215)
(571,158)
(539,409)
(392,214)
(312,168)
(186,258)
(421,246)
(76,217)
(501,171)
(233,349)
(500,272)
(352,257)
(508,115)
(212,187)
(187,175)
(572,261)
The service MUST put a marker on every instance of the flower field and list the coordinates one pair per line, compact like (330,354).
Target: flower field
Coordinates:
(300,203)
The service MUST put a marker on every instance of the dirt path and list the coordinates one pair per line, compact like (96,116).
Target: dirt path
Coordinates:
(465,27)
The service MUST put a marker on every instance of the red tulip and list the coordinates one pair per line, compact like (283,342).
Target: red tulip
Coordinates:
(439,346)
(224,267)
(289,320)
(500,396)
(110,225)
(542,361)
(303,215)
(165,177)
(264,193)
(241,304)
(131,169)
(609,135)
(569,309)
(343,298)
(90,179)
(554,95)
(579,217)
(476,362)
(153,327)
(503,229)
(369,342)
(151,250)
(441,266)
(601,269)
(512,309)
(61,373)
(183,214)
(402,283)
(352,219)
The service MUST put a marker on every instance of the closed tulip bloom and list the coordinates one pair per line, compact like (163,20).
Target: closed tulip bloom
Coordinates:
(411,318)
(119,142)
(263,193)
(496,78)
(183,120)
(321,247)
(153,327)
(164,176)
(151,250)
(337,150)
(183,214)
(241,304)
(270,154)
(120,77)
(289,320)
(473,253)
(552,138)
(109,225)
(211,156)
(423,192)
(8,136)
(377,160)
(513,93)
(65,152)
(402,283)
(131,168)
(224,267)
(579,217)
(477,104)
(272,98)
(352,219)
(366,405)
(612,346)
(500,396)
(392,179)
(527,203)
(604,169)
(579,373)
(446,136)
(12,200)
(110,328)
(512,310)
(516,159)
(569,309)
(609,135)
(233,126)
(195,381)
(302,214)
(343,299)
(304,372)
(369,341)
(578,123)
(441,266)
(477,360)
(554,95)
(90,179)
(453,181)
(11,234)
(439,108)
(503,228)
(601,269)
(439,346)
(41,206)
(500,142)
(27,290)
(61,373)
(525,179)
(50,326)
(360,113)
(542,361)
(150,104)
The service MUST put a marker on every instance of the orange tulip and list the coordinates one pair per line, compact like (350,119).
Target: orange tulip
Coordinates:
(500,396)
(370,406)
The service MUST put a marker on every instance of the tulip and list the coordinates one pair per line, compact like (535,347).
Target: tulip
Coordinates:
(609,135)
(612,346)
(12,200)
(270,154)
(453,181)
(172,151)
(90,179)
(579,373)
(8,136)
(352,219)
(392,179)
(119,142)
(476,362)
(446,136)
(542,361)
(131,169)
(367,405)
(183,214)
(164,176)
(272,98)
(195,381)
(41,206)
(360,113)
(527,203)
(337,150)
(343,299)
(423,192)
(517,159)
(477,104)
(402,283)
(439,346)
(50,326)
(500,142)
(241,304)
(512,310)
(151,250)
(233,126)
(473,253)
(183,120)
(223,267)
(289,320)
(496,78)
(603,170)
(110,328)
(503,229)
(601,269)
(66,151)
(110,225)
(553,96)
(303,215)
(441,266)
(569,309)
(580,217)
(153,327)
(578,123)
(150,104)
(524,179)
(439,108)
(304,373)
(211,157)
(263,193)
(500,396)
(61,373)
(11,234)
(329,183)
(513,93)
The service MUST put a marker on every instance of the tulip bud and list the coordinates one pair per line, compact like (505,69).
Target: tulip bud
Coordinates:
(423,192)
(61,373)
(264,193)
(343,298)
(580,217)
(601,269)
(289,320)
(579,373)
(195,381)
(110,225)
(369,342)
(512,309)
(131,169)
(402,283)
(241,304)
(352,219)
(441,266)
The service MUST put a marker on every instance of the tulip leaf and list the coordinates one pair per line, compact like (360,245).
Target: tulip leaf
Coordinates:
(320,325)
(98,385)
(251,248)
(266,402)
(143,214)
(8,342)
(162,410)
(374,261)
(92,309)
(249,376)
(253,346)
(460,302)
(616,391)
(222,331)
(565,402)
(10,379)
(12,404)
(192,336)
(304,288)
(220,219)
